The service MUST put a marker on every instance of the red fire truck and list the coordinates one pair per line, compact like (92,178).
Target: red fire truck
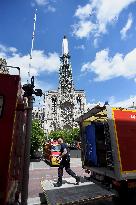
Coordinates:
(51,152)
(108,147)
(12,132)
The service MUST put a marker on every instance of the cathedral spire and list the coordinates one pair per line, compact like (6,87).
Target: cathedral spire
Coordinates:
(66,104)
(65,71)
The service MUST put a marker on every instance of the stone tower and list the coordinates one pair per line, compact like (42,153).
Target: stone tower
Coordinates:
(64,105)
(66,87)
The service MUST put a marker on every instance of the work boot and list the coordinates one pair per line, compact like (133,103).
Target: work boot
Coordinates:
(58,184)
(77,180)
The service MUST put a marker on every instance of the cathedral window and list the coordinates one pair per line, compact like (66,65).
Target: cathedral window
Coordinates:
(54,103)
(78,98)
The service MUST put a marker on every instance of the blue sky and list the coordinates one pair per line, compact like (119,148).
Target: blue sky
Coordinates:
(102,44)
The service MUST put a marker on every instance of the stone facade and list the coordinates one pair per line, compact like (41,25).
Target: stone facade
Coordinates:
(3,66)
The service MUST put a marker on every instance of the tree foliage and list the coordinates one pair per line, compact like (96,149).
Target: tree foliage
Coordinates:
(37,136)
(69,135)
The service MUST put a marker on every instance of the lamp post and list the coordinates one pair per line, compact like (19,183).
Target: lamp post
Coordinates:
(28,93)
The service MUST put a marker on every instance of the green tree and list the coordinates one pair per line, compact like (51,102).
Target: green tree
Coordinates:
(69,135)
(76,134)
(72,135)
(37,136)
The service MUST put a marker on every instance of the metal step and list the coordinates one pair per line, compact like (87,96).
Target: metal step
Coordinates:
(69,193)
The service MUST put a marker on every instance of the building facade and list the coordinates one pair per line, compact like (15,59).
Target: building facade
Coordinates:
(3,66)
(62,106)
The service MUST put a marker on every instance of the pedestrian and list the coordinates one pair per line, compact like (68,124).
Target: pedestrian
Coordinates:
(65,162)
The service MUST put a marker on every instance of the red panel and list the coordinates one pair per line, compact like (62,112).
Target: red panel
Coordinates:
(125,122)
(8,89)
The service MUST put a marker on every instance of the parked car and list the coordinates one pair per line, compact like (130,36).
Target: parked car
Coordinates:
(75,145)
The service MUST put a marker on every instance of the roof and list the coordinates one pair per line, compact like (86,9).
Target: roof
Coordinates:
(94,111)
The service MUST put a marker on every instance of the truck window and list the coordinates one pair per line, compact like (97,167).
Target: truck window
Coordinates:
(55,148)
(1,105)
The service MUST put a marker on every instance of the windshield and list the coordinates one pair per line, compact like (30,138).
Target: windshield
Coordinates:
(55,148)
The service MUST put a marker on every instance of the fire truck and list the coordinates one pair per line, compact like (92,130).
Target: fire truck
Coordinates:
(108,144)
(13,118)
(51,152)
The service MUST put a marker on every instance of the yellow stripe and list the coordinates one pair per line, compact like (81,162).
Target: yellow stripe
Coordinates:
(86,123)
(133,171)
(117,138)
(126,110)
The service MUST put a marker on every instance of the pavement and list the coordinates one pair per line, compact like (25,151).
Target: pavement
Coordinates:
(34,201)
(75,162)
(40,170)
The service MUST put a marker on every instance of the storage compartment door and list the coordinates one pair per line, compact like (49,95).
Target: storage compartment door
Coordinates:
(91,155)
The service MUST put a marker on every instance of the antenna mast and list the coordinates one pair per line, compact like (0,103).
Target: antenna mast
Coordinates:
(32,45)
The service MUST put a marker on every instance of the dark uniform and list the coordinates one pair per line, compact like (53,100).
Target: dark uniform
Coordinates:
(65,162)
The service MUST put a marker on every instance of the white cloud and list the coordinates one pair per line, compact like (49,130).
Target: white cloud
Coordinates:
(125,29)
(125,103)
(46,4)
(83,29)
(89,106)
(7,49)
(83,12)
(107,68)
(12,49)
(41,2)
(99,13)
(114,103)
(51,8)
(108,11)
(40,62)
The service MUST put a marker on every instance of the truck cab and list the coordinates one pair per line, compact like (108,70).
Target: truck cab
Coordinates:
(51,152)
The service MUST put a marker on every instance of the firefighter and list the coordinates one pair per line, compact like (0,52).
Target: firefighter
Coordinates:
(65,162)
